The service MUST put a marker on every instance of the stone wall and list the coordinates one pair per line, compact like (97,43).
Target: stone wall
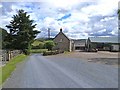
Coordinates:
(6,55)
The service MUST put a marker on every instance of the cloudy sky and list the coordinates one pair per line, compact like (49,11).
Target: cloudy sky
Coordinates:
(77,18)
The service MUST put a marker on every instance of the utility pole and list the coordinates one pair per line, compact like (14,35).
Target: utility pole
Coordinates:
(48,33)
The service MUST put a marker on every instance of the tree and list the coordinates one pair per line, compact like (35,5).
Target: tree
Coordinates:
(49,45)
(22,31)
(3,34)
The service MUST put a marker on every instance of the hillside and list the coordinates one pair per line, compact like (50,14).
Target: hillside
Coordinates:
(36,43)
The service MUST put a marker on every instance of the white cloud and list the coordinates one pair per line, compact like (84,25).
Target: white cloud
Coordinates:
(63,4)
(87,18)
(1,6)
(103,7)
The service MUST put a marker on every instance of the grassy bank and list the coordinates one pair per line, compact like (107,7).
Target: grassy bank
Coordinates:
(10,67)
(38,50)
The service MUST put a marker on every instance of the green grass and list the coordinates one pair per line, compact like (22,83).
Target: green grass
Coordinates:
(10,67)
(38,50)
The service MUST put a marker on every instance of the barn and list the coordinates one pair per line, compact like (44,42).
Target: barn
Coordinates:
(103,43)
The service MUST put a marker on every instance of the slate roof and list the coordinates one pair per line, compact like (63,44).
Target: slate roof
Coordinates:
(104,39)
(61,33)
(80,42)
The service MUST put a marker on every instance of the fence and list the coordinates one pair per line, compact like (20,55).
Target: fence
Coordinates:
(6,55)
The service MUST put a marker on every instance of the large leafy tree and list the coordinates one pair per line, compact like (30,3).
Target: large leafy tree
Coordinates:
(22,31)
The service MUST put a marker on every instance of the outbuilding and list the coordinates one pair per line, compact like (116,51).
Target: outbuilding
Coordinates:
(103,43)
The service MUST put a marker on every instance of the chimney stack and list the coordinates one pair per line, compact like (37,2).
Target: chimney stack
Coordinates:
(60,29)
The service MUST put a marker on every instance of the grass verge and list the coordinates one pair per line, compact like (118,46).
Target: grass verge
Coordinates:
(6,70)
(38,50)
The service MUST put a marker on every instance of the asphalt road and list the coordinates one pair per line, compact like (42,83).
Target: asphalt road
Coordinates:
(62,72)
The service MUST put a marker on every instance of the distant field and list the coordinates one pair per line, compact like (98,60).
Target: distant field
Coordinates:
(36,43)
(38,50)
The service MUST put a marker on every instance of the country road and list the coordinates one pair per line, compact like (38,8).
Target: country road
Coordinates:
(62,72)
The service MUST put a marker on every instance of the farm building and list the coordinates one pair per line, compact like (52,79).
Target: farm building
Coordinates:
(64,43)
(79,44)
(103,43)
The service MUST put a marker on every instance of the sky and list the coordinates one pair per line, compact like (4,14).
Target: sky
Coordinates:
(79,19)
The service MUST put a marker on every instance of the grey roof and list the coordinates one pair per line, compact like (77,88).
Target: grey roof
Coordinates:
(61,33)
(80,42)
(104,39)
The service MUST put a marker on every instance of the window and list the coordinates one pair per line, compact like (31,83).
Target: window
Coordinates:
(61,40)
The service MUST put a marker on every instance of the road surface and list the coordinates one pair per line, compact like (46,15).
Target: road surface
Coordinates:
(62,72)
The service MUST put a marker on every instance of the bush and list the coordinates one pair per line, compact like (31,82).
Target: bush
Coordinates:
(49,45)
(49,53)
(35,47)
(38,50)
(26,51)
(52,52)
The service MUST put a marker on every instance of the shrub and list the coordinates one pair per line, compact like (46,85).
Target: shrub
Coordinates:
(49,45)
(52,52)
(38,50)
(26,51)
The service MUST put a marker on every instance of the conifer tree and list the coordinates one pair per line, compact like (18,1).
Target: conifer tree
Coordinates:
(22,31)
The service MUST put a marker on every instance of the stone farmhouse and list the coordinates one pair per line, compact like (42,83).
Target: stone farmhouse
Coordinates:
(63,43)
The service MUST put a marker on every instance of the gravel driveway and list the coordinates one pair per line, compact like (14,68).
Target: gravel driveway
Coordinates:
(62,72)
(104,57)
